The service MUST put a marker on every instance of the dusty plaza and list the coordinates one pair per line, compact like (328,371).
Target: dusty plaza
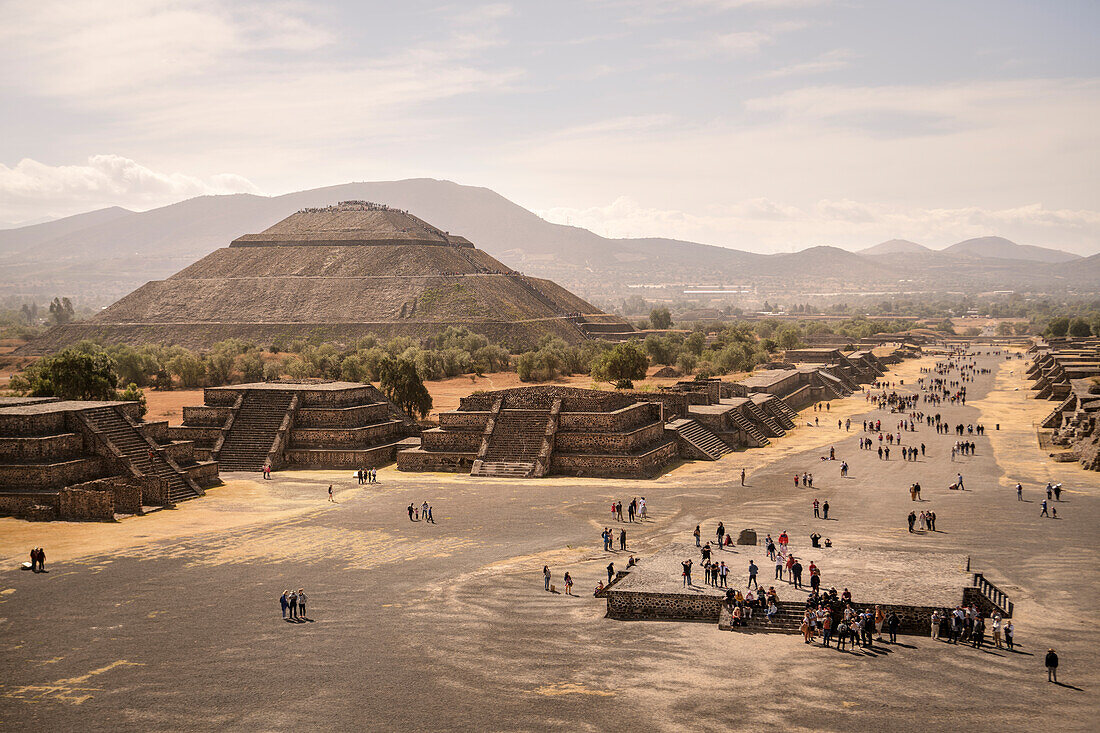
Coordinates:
(150,621)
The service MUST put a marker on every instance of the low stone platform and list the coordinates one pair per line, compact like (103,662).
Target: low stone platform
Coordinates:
(912,584)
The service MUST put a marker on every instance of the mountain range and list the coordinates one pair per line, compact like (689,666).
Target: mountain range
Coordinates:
(101,255)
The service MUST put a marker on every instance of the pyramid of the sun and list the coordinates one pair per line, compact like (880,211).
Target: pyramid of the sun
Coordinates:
(339,273)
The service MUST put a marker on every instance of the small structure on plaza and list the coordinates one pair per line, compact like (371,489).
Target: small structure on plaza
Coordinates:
(302,424)
(339,273)
(1068,371)
(92,460)
(913,585)
(529,432)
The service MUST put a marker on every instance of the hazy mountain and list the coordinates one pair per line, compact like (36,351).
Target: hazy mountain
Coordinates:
(895,247)
(102,255)
(1005,249)
(24,237)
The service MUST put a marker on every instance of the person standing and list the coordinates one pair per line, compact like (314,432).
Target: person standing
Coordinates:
(302,603)
(284,602)
(893,624)
(720,532)
(546,578)
(742,477)
(622,539)
(752,575)
(817,509)
(825,509)
(610,572)
(696,533)
(796,573)
(1010,630)
(1019,491)
(568,584)
(687,572)
(1052,666)
(293,605)
(880,619)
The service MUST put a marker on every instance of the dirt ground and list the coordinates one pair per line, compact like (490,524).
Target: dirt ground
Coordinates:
(172,620)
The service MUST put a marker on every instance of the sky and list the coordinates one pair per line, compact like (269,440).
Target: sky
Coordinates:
(767,125)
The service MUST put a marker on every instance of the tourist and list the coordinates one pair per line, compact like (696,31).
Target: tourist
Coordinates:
(687,572)
(622,539)
(880,619)
(546,578)
(330,494)
(796,572)
(644,509)
(1044,512)
(431,515)
(742,477)
(779,562)
(815,539)
(772,609)
(935,622)
(817,509)
(41,560)
(302,604)
(996,625)
(825,509)
(912,518)
(752,575)
(696,534)
(893,624)
(841,635)
(1010,631)
(568,584)
(284,602)
(293,605)
(721,532)
(723,571)
(1052,666)
(610,572)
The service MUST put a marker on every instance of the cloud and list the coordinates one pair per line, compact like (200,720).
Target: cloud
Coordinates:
(105,180)
(736,43)
(834,60)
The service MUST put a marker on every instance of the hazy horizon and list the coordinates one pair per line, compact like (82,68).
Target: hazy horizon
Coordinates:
(760,125)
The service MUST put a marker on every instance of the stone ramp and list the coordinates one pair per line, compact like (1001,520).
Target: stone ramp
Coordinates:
(142,452)
(700,437)
(254,429)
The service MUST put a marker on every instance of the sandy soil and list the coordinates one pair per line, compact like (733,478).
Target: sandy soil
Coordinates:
(171,620)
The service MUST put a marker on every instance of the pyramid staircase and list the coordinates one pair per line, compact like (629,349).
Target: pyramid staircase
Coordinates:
(701,437)
(756,438)
(513,446)
(781,417)
(143,453)
(1054,419)
(787,619)
(771,427)
(254,430)
(786,409)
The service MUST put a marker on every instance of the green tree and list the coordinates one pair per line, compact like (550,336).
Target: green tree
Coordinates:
(1080,328)
(71,374)
(660,318)
(789,337)
(1058,327)
(134,393)
(403,386)
(625,361)
(1004,328)
(188,368)
(61,310)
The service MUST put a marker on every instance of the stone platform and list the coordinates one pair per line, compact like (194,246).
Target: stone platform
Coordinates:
(912,584)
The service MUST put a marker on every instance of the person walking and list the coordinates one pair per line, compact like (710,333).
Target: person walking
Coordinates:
(330,494)
(1052,666)
(1044,512)
(546,578)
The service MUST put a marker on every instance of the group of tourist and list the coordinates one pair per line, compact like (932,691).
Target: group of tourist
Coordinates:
(925,521)
(38,560)
(636,510)
(608,536)
(293,603)
(422,512)
(367,475)
(968,624)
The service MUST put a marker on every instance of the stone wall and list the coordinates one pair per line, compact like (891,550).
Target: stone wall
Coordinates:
(19,505)
(463,441)
(201,436)
(614,421)
(668,606)
(645,465)
(203,474)
(351,459)
(341,417)
(627,442)
(74,503)
(574,399)
(468,420)
(446,462)
(52,475)
(128,493)
(40,448)
(675,403)
(343,438)
(207,415)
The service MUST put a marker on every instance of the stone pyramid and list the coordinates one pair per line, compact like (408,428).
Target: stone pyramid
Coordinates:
(339,273)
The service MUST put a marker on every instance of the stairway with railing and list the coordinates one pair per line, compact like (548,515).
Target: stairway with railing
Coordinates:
(145,455)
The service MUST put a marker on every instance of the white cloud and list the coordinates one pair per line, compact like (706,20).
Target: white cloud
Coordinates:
(735,43)
(106,180)
(834,60)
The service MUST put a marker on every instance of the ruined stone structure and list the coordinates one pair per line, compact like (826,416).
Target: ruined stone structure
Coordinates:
(1068,371)
(339,273)
(303,424)
(92,460)
(537,431)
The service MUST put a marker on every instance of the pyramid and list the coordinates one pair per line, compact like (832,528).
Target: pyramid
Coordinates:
(339,273)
